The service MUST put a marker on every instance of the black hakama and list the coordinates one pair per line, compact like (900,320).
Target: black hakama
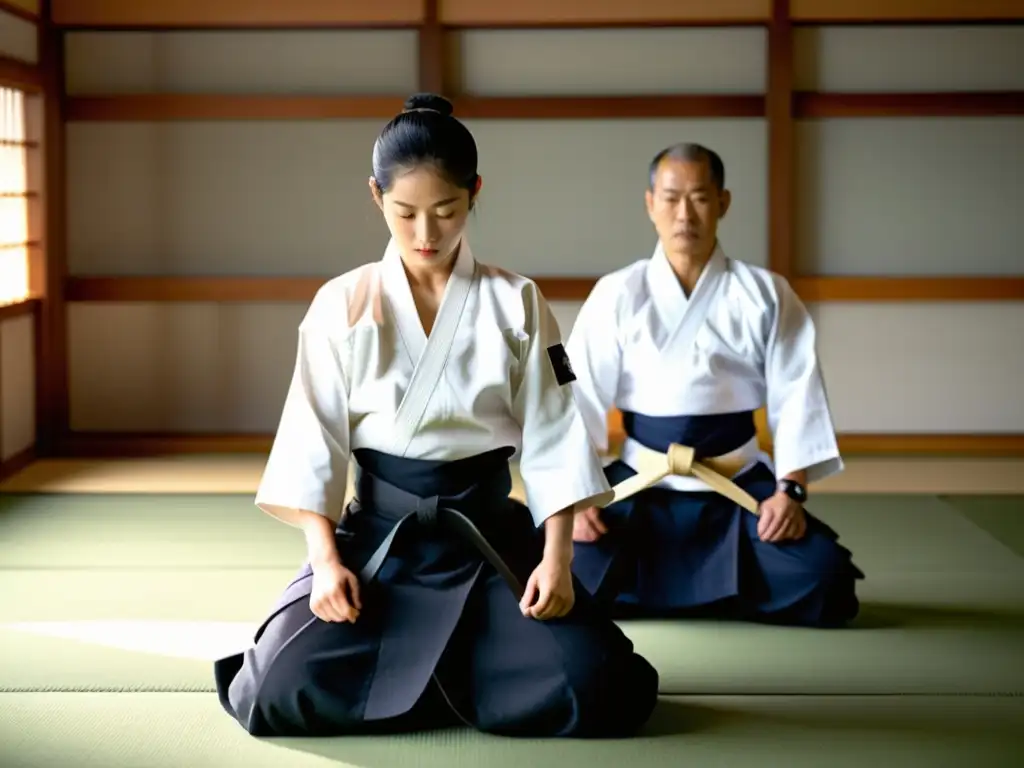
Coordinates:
(442,554)
(678,553)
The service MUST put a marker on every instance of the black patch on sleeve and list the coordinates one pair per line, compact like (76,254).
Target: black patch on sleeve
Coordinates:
(560,362)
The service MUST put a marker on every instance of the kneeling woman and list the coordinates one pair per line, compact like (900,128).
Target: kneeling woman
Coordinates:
(437,599)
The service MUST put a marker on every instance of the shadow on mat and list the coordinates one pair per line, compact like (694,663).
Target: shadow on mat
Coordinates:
(910,616)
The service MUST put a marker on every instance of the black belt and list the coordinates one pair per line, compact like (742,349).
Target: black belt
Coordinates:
(432,511)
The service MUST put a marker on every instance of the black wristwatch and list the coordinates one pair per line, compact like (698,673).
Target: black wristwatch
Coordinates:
(793,489)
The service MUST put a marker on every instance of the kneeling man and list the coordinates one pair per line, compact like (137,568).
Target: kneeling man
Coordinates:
(688,344)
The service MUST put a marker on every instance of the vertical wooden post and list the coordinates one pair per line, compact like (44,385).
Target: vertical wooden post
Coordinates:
(52,405)
(781,156)
(431,45)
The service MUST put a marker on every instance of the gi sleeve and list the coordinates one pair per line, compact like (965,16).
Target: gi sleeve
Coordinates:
(558,462)
(799,417)
(595,349)
(308,464)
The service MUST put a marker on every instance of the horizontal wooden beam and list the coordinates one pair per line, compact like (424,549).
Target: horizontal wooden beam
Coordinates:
(160,107)
(17,462)
(19,309)
(235,13)
(601,13)
(302,289)
(932,445)
(954,104)
(201,106)
(15,73)
(23,9)
(608,107)
(113,444)
(877,289)
(192,289)
(806,105)
(249,289)
(904,11)
(241,14)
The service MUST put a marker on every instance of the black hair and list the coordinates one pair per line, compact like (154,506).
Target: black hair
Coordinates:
(426,133)
(689,153)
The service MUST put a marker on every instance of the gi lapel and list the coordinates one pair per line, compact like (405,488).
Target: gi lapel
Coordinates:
(429,354)
(682,317)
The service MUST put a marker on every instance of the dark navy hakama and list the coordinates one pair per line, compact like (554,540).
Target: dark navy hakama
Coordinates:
(680,553)
(442,553)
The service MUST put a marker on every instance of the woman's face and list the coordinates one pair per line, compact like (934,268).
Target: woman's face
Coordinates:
(426,215)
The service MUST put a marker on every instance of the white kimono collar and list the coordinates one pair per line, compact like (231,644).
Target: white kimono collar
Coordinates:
(670,302)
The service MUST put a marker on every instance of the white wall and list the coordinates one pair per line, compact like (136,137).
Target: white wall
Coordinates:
(876,196)
(19,38)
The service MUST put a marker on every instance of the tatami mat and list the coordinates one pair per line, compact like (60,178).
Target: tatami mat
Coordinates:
(175,730)
(219,473)
(141,592)
(120,582)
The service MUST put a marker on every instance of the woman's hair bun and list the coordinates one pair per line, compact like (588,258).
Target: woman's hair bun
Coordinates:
(429,101)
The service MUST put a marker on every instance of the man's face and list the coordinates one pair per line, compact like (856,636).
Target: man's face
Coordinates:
(686,206)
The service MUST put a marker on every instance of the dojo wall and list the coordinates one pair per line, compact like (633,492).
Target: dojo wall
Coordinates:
(17,386)
(18,383)
(876,196)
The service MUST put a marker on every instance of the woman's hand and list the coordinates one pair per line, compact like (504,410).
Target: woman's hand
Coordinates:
(335,595)
(549,592)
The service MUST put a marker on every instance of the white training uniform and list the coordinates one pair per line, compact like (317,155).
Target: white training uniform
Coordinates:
(743,340)
(491,374)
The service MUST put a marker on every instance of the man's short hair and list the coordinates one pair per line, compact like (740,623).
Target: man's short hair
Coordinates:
(689,152)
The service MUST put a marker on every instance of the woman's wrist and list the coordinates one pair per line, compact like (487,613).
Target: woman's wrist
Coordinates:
(558,547)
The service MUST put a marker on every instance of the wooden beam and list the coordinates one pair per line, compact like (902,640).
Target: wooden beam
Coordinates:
(193,289)
(602,13)
(112,444)
(250,289)
(904,11)
(23,9)
(781,138)
(15,73)
(198,14)
(201,106)
(805,105)
(938,289)
(19,309)
(17,462)
(159,289)
(53,401)
(608,107)
(431,40)
(955,104)
(932,445)
(161,107)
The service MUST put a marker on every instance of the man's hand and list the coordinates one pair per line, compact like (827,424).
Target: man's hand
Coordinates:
(587,525)
(782,518)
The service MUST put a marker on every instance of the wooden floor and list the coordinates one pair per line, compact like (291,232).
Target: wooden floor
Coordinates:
(241,474)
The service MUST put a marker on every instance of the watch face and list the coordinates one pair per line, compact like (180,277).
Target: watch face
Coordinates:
(794,490)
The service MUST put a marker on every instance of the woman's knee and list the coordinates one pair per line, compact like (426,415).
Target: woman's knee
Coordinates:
(312,682)
(614,697)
